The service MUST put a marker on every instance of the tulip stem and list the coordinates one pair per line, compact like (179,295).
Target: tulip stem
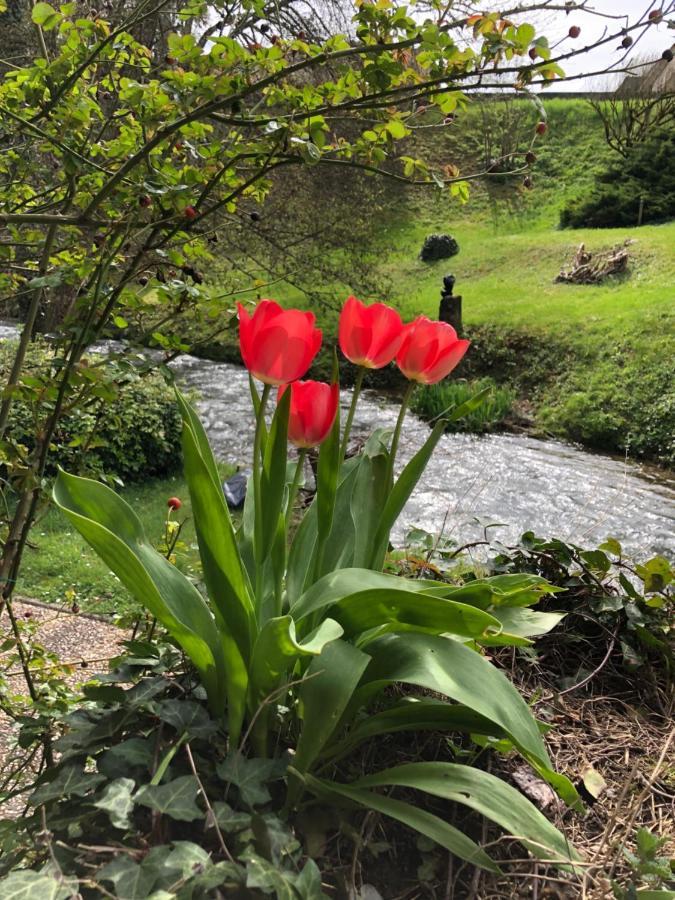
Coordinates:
(405,402)
(352,409)
(293,490)
(257,489)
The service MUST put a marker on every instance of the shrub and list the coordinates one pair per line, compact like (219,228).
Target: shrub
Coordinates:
(129,427)
(433,401)
(647,175)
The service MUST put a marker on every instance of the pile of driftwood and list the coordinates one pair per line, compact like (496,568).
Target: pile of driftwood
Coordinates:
(592,268)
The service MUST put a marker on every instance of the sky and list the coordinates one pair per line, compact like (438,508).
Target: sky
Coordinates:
(652,43)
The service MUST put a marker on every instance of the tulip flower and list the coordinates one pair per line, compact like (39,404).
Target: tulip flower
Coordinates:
(277,345)
(312,411)
(429,351)
(369,336)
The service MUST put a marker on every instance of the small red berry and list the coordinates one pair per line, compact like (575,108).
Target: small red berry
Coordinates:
(174,503)
(655,15)
(190,212)
(574,31)
(530,158)
(541,128)
(627,41)
(532,52)
(145,201)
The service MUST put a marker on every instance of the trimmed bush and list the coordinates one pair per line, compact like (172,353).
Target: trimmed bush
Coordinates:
(128,427)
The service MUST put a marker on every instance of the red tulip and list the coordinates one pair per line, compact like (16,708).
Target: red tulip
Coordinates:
(312,413)
(369,335)
(277,345)
(174,503)
(430,350)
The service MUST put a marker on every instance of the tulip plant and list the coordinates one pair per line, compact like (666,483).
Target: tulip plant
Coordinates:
(296,632)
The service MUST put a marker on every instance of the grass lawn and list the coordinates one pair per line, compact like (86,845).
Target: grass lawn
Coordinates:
(59,567)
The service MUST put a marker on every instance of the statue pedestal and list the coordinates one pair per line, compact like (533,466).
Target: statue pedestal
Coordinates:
(450,311)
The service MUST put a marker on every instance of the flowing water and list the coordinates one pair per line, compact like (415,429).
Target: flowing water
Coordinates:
(517,482)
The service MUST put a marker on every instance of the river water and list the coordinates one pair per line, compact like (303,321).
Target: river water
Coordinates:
(517,482)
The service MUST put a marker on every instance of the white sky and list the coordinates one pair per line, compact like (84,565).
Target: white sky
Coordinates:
(652,43)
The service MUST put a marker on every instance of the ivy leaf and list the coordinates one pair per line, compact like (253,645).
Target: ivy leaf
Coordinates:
(70,781)
(118,802)
(230,820)
(186,716)
(249,775)
(178,862)
(28,885)
(176,799)
(132,881)
(135,753)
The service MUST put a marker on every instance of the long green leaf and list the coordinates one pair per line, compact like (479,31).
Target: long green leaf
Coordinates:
(347,582)
(274,474)
(400,493)
(519,624)
(277,649)
(115,532)
(448,667)
(330,681)
(412,714)
(225,576)
(485,793)
(420,820)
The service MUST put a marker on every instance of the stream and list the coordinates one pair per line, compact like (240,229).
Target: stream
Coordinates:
(515,482)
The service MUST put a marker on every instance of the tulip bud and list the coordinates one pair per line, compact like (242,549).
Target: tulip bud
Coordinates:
(530,158)
(541,128)
(174,503)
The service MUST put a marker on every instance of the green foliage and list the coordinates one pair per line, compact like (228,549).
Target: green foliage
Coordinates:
(434,400)
(633,412)
(644,180)
(648,868)
(129,427)
(294,648)
(626,607)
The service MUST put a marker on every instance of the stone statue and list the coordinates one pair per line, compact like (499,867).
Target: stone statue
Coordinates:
(450,309)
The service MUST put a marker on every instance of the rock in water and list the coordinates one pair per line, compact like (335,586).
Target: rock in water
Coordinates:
(438,246)
(235,490)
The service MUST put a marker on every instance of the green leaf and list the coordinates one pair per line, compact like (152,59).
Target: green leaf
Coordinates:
(399,495)
(448,667)
(186,716)
(485,793)
(136,752)
(70,781)
(274,473)
(250,776)
(132,881)
(177,799)
(277,650)
(224,572)
(117,801)
(396,129)
(424,822)
(27,885)
(115,532)
(46,16)
(329,683)
(412,714)
(519,624)
(328,471)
